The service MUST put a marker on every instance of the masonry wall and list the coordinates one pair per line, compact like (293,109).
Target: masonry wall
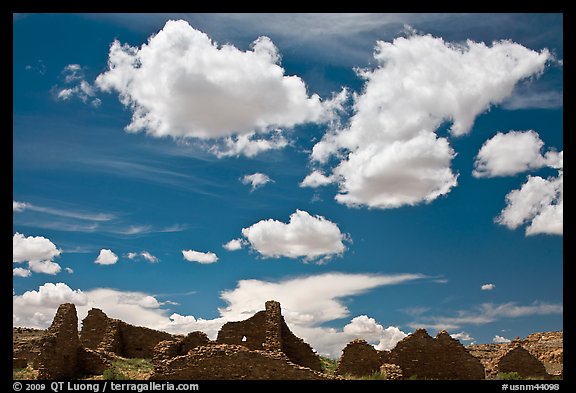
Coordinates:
(441,358)
(232,362)
(267,330)
(523,362)
(359,359)
(112,335)
(58,358)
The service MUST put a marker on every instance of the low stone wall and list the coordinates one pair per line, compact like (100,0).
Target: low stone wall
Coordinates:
(232,362)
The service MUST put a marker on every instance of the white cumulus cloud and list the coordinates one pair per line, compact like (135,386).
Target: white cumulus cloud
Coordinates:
(487,287)
(389,154)
(200,257)
(311,237)
(234,244)
(183,84)
(538,203)
(256,180)
(500,340)
(38,251)
(106,257)
(507,154)
(462,336)
(32,248)
(317,179)
(21,272)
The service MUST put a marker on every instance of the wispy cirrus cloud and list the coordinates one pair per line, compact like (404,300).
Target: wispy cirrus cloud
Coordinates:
(486,313)
(76,214)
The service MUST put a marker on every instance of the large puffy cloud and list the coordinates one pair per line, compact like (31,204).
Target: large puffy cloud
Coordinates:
(507,154)
(539,202)
(38,251)
(200,257)
(106,257)
(389,153)
(307,302)
(311,237)
(182,84)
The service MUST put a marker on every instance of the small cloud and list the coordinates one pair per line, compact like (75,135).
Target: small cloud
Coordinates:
(69,270)
(487,287)
(46,267)
(317,179)
(106,257)
(39,67)
(234,244)
(144,255)
(148,257)
(21,272)
(18,206)
(200,257)
(462,336)
(77,86)
(256,180)
(500,340)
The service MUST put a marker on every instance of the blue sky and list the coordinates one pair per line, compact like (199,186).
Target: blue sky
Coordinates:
(375,173)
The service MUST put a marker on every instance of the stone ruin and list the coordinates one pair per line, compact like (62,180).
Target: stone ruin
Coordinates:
(60,354)
(359,359)
(442,357)
(519,360)
(541,350)
(416,355)
(261,347)
(232,362)
(115,336)
(267,330)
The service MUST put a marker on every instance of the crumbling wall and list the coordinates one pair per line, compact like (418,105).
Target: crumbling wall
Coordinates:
(391,372)
(169,349)
(420,355)
(112,335)
(139,342)
(58,358)
(359,359)
(250,333)
(547,347)
(267,330)
(26,343)
(523,362)
(232,362)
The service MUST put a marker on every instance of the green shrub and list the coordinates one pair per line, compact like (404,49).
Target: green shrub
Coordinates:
(512,375)
(113,374)
(328,365)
